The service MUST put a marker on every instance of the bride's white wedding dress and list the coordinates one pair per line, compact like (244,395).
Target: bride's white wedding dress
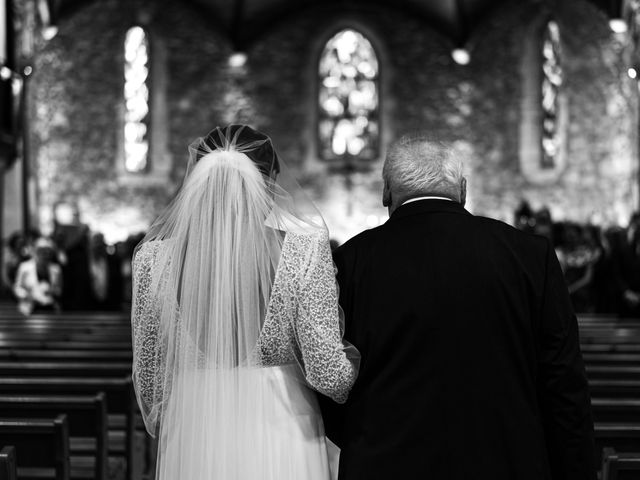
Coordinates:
(270,427)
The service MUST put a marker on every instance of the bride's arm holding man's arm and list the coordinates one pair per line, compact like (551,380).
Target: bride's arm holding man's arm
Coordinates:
(330,364)
(145,324)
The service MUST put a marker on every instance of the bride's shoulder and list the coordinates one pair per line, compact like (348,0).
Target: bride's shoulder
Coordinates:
(149,251)
(309,238)
(301,248)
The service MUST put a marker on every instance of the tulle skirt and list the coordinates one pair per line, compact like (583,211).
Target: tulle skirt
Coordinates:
(252,424)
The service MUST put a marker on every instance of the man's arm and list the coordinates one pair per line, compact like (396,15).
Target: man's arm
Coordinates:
(562,383)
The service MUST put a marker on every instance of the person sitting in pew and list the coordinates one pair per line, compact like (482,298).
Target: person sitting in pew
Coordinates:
(38,283)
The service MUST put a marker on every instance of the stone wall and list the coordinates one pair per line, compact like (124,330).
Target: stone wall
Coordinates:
(78,103)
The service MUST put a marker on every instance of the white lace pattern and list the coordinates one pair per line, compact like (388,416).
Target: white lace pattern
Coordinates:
(302,323)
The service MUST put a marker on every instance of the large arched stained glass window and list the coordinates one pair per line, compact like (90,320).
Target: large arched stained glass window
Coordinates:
(136,95)
(551,84)
(348,98)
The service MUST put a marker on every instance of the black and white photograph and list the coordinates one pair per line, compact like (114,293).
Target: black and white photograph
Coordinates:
(320,239)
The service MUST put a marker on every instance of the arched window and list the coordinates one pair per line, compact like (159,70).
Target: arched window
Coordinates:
(551,83)
(136,96)
(544,105)
(348,98)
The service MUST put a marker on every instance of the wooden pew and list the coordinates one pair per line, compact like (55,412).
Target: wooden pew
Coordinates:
(621,436)
(14,354)
(620,466)
(66,336)
(614,388)
(87,419)
(598,317)
(63,319)
(601,318)
(610,348)
(64,369)
(616,336)
(80,317)
(618,372)
(52,328)
(121,404)
(611,359)
(616,410)
(620,329)
(42,446)
(68,317)
(8,470)
(66,345)
(53,325)
(604,322)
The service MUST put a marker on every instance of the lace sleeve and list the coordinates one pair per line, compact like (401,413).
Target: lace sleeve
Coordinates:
(330,365)
(147,351)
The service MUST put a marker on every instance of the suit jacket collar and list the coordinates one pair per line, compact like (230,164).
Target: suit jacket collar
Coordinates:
(428,206)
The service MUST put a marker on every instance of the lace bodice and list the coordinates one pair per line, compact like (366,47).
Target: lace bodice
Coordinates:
(303,319)
(302,324)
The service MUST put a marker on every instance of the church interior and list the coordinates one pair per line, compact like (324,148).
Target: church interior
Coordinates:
(100,99)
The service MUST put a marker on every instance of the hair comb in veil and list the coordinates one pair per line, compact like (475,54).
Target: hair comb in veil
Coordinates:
(241,138)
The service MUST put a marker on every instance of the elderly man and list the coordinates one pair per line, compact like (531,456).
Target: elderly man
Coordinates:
(471,366)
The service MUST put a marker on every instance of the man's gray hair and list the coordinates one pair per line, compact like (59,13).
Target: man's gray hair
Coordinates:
(417,165)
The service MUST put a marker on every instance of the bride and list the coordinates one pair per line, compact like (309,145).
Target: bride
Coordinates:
(235,320)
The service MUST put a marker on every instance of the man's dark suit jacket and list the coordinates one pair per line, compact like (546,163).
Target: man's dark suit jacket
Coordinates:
(471,365)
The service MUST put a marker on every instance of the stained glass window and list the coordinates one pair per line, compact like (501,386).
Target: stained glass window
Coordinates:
(551,84)
(348,98)
(136,95)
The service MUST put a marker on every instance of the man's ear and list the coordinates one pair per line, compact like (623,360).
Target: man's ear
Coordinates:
(386,194)
(463,191)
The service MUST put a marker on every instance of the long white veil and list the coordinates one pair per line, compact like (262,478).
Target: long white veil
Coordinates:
(215,253)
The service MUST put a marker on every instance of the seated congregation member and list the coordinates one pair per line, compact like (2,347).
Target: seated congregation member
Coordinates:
(106,277)
(627,267)
(614,243)
(38,283)
(544,224)
(18,250)
(471,365)
(579,255)
(524,218)
(72,236)
(602,287)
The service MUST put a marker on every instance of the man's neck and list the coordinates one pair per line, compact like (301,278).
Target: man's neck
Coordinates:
(420,196)
(427,197)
